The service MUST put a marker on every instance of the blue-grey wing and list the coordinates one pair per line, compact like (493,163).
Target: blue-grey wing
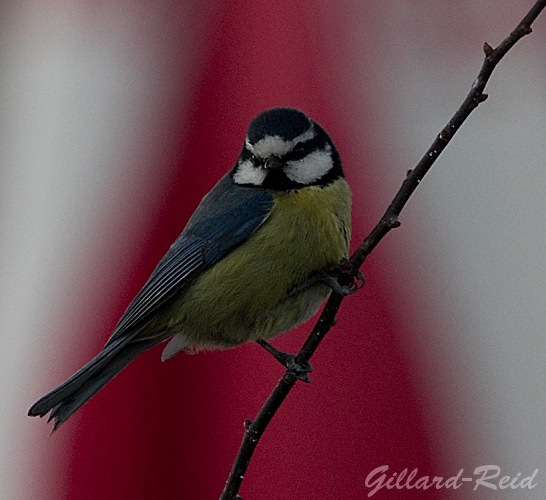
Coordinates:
(224,219)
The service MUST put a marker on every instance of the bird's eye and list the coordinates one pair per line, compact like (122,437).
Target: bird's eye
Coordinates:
(297,153)
(257,162)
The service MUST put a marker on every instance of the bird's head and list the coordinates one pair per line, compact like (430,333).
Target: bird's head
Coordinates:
(284,149)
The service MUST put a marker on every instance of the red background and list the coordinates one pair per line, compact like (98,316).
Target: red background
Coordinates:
(172,430)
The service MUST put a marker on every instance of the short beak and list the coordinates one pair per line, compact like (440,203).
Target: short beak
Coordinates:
(273,163)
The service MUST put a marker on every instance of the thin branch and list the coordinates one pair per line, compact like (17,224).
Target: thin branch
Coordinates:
(349,269)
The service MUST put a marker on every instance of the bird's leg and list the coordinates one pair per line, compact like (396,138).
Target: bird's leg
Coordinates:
(331,277)
(289,361)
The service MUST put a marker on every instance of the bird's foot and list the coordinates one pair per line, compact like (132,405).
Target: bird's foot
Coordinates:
(331,277)
(341,279)
(332,283)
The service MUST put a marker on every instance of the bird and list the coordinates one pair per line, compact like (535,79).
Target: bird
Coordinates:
(252,261)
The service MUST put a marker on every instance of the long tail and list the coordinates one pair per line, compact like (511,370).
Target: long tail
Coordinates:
(69,396)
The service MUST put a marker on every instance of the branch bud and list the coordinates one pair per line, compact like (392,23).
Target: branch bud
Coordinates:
(487,49)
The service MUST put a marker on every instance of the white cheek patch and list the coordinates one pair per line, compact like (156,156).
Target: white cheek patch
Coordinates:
(247,173)
(311,168)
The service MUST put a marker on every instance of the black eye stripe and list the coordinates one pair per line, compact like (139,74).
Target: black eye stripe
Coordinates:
(295,155)
(246,154)
(258,162)
(302,149)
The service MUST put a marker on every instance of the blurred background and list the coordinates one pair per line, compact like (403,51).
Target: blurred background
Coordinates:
(117,117)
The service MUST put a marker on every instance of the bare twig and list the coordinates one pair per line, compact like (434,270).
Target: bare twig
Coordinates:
(349,269)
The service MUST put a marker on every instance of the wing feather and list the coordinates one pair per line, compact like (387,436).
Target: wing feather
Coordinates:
(224,219)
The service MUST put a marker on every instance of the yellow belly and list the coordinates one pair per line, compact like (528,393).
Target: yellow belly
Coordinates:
(243,296)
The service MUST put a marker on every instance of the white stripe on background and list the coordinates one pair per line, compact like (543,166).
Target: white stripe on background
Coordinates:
(472,245)
(83,96)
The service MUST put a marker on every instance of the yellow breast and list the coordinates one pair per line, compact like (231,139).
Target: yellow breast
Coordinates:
(243,296)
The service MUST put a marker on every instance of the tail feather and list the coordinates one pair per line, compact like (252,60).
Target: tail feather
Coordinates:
(69,396)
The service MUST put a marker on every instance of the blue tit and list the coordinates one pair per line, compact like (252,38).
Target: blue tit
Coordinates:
(242,269)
